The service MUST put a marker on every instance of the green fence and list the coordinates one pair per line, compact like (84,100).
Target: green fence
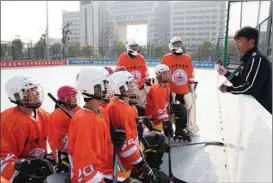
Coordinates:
(17,50)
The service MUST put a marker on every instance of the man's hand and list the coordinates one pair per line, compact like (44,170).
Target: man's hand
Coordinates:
(222,71)
(223,88)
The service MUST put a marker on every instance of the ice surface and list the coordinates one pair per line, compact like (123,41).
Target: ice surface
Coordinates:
(192,163)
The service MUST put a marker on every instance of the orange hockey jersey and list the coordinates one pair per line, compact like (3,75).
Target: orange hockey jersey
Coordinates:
(108,166)
(122,116)
(181,70)
(3,180)
(89,146)
(57,135)
(26,137)
(137,67)
(157,103)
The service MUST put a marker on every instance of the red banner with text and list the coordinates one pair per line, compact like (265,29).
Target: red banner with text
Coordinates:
(31,63)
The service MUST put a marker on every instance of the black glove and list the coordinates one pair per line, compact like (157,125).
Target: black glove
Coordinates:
(153,80)
(118,137)
(35,169)
(167,128)
(147,122)
(148,82)
(139,124)
(63,162)
(50,158)
(144,172)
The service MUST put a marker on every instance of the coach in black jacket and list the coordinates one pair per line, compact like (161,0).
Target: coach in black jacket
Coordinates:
(255,77)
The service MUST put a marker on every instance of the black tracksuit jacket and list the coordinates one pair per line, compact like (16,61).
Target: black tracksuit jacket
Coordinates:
(255,78)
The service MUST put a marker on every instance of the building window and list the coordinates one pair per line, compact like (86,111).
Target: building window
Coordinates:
(214,16)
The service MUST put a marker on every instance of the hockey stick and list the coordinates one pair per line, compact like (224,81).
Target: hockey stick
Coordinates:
(216,143)
(233,74)
(171,176)
(115,171)
(59,105)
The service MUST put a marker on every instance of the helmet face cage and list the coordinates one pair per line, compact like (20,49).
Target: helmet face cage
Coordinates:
(130,89)
(31,97)
(177,44)
(163,76)
(134,47)
(100,90)
(71,99)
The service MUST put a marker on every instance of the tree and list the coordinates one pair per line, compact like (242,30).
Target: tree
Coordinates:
(205,50)
(72,50)
(87,51)
(159,52)
(119,48)
(5,50)
(17,47)
(56,49)
(40,47)
(66,32)
(232,50)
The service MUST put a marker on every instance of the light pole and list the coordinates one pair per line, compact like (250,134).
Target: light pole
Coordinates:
(241,14)
(226,36)
(259,13)
(47,46)
(153,34)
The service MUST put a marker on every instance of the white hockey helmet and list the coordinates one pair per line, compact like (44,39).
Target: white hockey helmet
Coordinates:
(92,82)
(132,46)
(162,73)
(25,91)
(122,83)
(176,45)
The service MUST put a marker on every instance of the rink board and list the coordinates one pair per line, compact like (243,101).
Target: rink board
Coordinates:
(192,163)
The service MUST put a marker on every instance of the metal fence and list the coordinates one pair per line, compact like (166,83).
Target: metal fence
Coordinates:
(265,36)
(265,43)
(17,50)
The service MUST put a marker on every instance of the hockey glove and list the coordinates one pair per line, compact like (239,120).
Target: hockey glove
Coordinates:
(50,158)
(144,172)
(153,80)
(63,162)
(147,122)
(35,169)
(148,81)
(167,128)
(118,137)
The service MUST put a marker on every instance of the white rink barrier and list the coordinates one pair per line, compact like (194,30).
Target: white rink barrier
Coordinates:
(247,130)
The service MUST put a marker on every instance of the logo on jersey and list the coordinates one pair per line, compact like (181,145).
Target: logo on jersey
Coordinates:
(137,75)
(179,77)
(37,153)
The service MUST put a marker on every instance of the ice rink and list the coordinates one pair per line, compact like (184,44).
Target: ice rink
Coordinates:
(190,163)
